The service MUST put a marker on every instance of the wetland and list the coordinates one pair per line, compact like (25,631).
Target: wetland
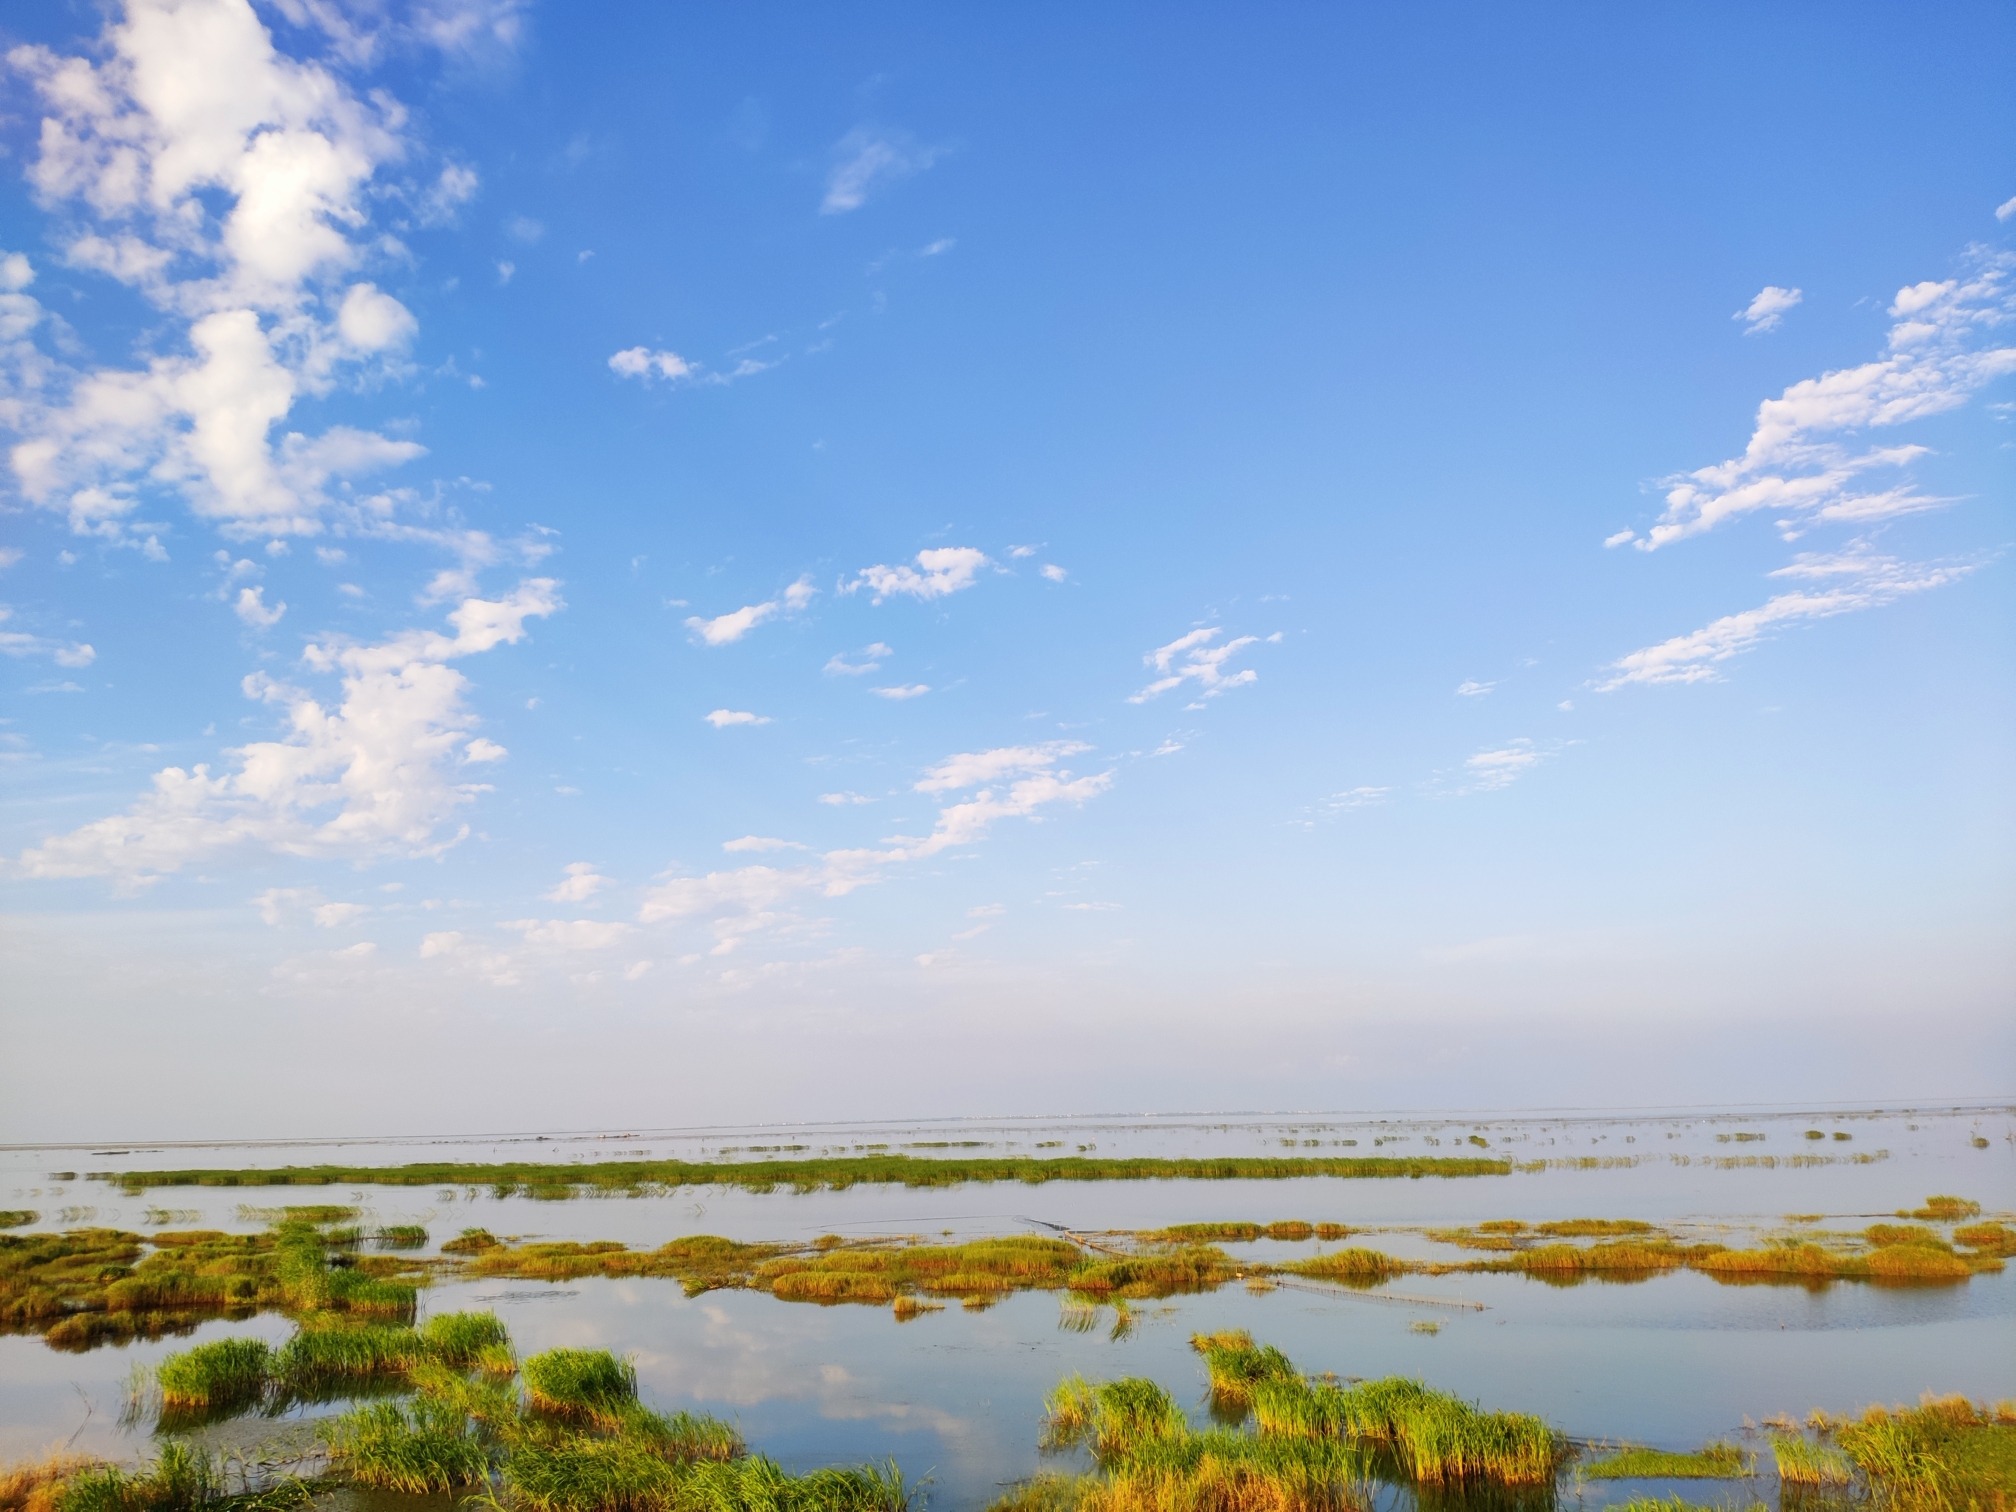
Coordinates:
(1731,1309)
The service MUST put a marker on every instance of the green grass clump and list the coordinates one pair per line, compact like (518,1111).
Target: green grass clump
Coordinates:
(591,1384)
(18,1217)
(1236,1365)
(1716,1461)
(318,1360)
(1670,1504)
(417,1446)
(1427,1436)
(466,1339)
(222,1373)
(471,1241)
(537,1179)
(1112,1418)
(1802,1462)
(400,1236)
(1945,1455)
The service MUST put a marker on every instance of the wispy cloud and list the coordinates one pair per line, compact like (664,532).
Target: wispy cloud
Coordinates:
(911,690)
(868,159)
(1860,579)
(1192,657)
(1471,688)
(642,362)
(1488,771)
(760,843)
(721,719)
(871,660)
(580,883)
(1940,352)
(725,629)
(19,643)
(1768,309)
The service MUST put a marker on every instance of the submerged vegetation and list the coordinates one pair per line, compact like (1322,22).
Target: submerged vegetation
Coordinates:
(834,1173)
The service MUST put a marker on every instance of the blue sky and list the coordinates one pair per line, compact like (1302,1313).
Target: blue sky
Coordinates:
(716,566)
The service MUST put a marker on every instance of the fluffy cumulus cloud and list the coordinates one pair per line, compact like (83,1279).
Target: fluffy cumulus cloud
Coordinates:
(580,883)
(374,774)
(940,571)
(1011,782)
(721,719)
(642,362)
(1767,310)
(1830,584)
(1947,339)
(1192,658)
(233,187)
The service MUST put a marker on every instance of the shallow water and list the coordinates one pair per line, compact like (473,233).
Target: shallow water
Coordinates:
(956,1394)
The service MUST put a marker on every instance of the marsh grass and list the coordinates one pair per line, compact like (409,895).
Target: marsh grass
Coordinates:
(223,1373)
(836,1173)
(400,1236)
(1717,1461)
(589,1384)
(1592,1228)
(1945,1209)
(18,1217)
(1428,1435)
(1236,1365)
(1987,1238)
(1353,1267)
(417,1446)
(1802,1462)
(37,1485)
(1945,1455)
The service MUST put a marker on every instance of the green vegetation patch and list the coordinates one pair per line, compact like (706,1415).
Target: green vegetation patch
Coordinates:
(1716,1461)
(1944,1209)
(835,1173)
(18,1217)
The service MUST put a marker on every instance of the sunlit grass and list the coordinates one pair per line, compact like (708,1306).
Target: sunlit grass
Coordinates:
(1716,1461)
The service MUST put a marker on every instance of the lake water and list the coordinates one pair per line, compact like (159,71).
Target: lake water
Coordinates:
(956,1395)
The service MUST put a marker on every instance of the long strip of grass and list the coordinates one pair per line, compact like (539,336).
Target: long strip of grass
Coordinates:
(1717,1461)
(1432,1436)
(1802,1462)
(832,1172)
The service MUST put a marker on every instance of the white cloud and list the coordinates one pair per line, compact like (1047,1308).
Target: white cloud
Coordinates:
(1859,578)
(580,884)
(335,915)
(480,749)
(642,362)
(1202,661)
(1019,552)
(972,768)
(760,843)
(1054,573)
(18,643)
(9,555)
(1356,798)
(939,247)
(1092,907)
(1940,352)
(1471,688)
(864,160)
(232,187)
(946,570)
(752,900)
(506,270)
(987,911)
(571,934)
(725,629)
(722,718)
(2006,209)
(872,654)
(252,609)
(373,322)
(1488,771)
(911,690)
(367,778)
(1768,309)
(839,800)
